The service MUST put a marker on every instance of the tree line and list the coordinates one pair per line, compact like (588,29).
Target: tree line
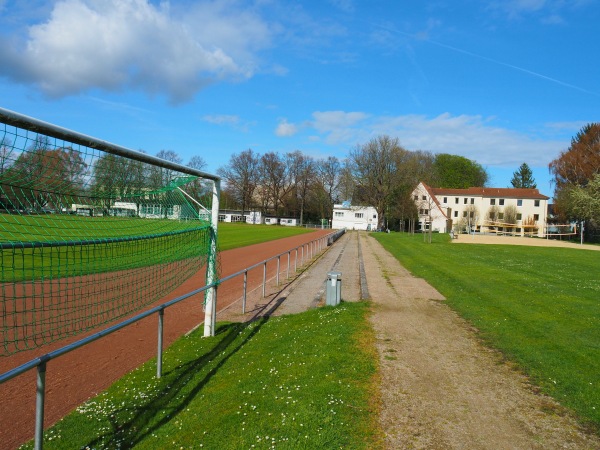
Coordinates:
(44,177)
(379,173)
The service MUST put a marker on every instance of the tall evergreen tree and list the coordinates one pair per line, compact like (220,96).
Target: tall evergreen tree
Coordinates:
(523,178)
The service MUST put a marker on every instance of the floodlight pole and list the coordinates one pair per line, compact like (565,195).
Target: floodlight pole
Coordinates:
(210,317)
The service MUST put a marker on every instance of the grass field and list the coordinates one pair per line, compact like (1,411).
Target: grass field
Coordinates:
(291,382)
(232,235)
(168,241)
(539,306)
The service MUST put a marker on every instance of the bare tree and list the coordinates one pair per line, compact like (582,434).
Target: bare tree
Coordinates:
(161,176)
(328,176)
(6,155)
(302,171)
(241,177)
(275,180)
(375,166)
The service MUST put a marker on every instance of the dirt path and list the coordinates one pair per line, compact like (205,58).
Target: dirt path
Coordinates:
(517,240)
(440,387)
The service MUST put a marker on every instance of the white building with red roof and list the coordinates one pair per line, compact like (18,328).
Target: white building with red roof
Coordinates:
(479,209)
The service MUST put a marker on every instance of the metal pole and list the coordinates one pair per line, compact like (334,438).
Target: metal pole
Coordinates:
(159,354)
(264,279)
(287,274)
(245,288)
(211,266)
(278,264)
(214,312)
(302,256)
(296,261)
(39,406)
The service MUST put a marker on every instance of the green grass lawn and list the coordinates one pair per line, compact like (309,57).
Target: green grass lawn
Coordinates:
(299,381)
(540,306)
(233,235)
(169,240)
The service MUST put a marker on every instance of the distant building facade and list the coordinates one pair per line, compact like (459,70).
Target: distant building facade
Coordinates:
(481,210)
(354,217)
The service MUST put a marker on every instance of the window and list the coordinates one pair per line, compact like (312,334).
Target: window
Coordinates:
(472,201)
(424,197)
(492,201)
(536,217)
(374,216)
(501,202)
(455,213)
(339,214)
(519,202)
(416,197)
(464,214)
(456,200)
(500,216)
(359,215)
(426,211)
(536,203)
(445,199)
(519,216)
(466,200)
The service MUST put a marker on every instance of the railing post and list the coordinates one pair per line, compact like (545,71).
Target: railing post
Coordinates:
(245,290)
(40,397)
(159,353)
(264,286)
(296,261)
(287,274)
(302,256)
(278,264)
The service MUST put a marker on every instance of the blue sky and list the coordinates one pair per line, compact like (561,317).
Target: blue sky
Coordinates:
(501,82)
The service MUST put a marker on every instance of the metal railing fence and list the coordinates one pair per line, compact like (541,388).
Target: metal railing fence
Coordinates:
(307,251)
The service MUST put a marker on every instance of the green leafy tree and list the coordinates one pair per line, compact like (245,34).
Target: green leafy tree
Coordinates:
(585,201)
(458,172)
(523,178)
(573,170)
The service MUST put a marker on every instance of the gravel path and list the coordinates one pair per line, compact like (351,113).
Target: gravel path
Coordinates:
(440,388)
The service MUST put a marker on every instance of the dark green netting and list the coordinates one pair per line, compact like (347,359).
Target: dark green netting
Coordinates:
(88,237)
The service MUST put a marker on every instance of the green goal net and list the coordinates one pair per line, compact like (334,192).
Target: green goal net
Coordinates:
(88,236)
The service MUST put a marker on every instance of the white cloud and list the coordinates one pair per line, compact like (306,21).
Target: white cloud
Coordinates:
(338,126)
(346,6)
(286,129)
(117,44)
(474,137)
(222,119)
(549,11)
(232,121)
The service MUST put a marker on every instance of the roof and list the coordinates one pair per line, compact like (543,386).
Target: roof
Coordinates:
(490,192)
(432,195)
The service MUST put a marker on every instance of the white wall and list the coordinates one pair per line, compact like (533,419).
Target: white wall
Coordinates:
(354,218)
(459,201)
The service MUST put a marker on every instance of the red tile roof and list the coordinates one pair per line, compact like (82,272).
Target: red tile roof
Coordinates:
(490,192)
